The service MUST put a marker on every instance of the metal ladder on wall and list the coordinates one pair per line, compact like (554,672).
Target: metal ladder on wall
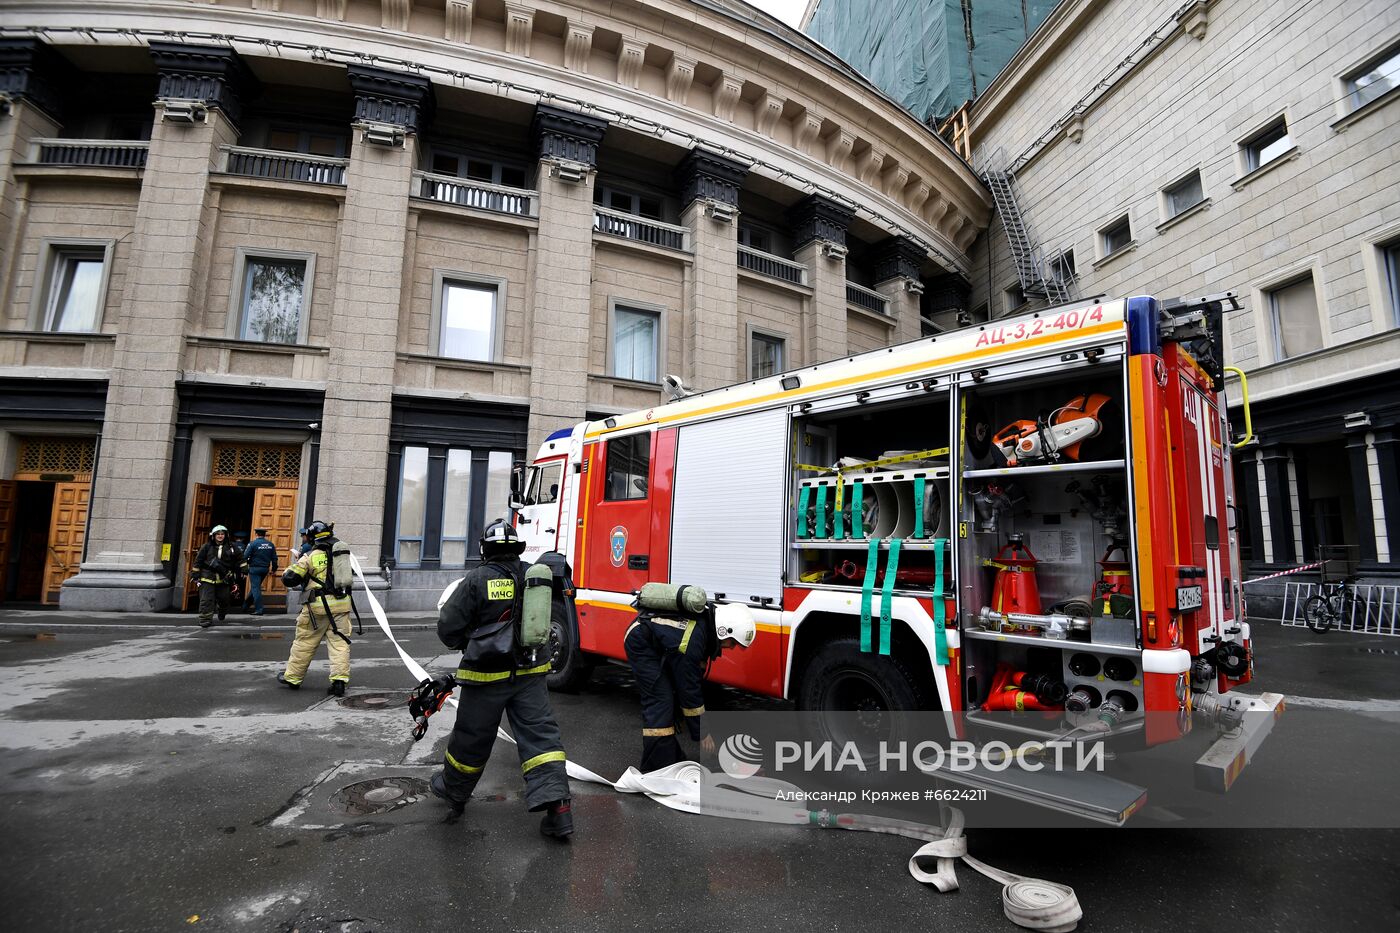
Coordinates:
(1051,277)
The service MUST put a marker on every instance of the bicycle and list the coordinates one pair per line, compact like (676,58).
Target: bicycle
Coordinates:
(1327,609)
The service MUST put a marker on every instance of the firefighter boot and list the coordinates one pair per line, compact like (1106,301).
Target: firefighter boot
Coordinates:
(282,679)
(439,789)
(558,820)
(337,688)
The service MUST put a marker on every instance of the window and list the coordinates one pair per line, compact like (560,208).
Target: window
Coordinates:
(1294,314)
(629,459)
(765,355)
(754,238)
(467,316)
(635,342)
(446,162)
(1390,260)
(273,299)
(627,202)
(73,294)
(1062,267)
(1116,236)
(413,504)
(1375,79)
(1266,145)
(1013,297)
(456,507)
(310,142)
(544,484)
(1183,195)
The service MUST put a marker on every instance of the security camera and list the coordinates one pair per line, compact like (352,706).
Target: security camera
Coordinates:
(674,388)
(184,110)
(314,426)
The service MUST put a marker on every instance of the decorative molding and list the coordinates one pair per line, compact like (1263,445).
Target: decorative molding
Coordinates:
(838,148)
(895,178)
(817,218)
(393,14)
(937,207)
(964,237)
(809,127)
(578,47)
(897,258)
(396,97)
(631,53)
(679,75)
(213,74)
(30,70)
(520,25)
(870,164)
(1195,18)
(269,6)
(727,91)
(915,194)
(566,135)
(331,10)
(459,21)
(768,112)
(705,175)
(954,222)
(1074,129)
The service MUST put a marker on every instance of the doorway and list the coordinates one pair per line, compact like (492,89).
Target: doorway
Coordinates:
(43,517)
(29,542)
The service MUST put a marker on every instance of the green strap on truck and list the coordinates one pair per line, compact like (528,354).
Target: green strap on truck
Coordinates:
(820,531)
(887,594)
(857,516)
(867,589)
(918,506)
(940,637)
(838,520)
(804,496)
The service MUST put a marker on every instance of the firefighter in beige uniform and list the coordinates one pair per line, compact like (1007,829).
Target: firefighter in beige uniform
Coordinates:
(325,607)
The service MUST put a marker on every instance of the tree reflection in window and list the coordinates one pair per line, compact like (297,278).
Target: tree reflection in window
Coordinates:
(272,300)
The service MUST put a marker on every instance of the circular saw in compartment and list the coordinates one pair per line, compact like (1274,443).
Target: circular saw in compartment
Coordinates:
(1052,438)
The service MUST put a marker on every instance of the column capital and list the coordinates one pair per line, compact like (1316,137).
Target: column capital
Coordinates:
(706,175)
(209,73)
(33,72)
(397,97)
(898,258)
(819,218)
(567,134)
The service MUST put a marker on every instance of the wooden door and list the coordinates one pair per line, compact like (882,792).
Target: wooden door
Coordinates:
(275,510)
(66,530)
(201,520)
(8,492)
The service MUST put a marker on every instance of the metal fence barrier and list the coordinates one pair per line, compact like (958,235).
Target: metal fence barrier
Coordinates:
(1374,608)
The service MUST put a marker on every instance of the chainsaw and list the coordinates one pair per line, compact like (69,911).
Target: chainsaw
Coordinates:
(426,699)
(1055,437)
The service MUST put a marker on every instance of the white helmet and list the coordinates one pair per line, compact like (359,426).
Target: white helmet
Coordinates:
(736,622)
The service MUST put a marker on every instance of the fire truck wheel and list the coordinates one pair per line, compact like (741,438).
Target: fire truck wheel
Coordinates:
(571,667)
(839,676)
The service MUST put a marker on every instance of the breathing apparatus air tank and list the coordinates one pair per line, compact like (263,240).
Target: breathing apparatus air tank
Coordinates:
(538,606)
(672,599)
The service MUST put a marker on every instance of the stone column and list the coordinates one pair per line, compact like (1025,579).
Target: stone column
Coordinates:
(1358,453)
(1280,503)
(710,192)
(1247,502)
(30,74)
(350,481)
(819,230)
(561,311)
(126,522)
(897,278)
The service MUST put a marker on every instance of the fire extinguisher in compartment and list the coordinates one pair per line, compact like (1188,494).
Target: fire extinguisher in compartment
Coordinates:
(1054,437)
(1015,589)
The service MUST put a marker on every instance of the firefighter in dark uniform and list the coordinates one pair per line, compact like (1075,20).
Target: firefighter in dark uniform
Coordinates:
(216,566)
(478,616)
(669,657)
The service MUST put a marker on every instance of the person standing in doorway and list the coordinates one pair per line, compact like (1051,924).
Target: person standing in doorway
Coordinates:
(216,566)
(261,559)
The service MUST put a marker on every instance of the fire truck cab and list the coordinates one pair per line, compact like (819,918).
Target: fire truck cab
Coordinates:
(1042,501)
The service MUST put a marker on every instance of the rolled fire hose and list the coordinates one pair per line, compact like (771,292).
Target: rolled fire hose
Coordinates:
(691,788)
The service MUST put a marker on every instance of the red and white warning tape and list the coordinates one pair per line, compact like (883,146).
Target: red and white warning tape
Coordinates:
(1284,573)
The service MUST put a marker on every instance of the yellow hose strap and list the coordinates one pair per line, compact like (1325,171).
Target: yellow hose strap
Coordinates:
(465,769)
(538,760)
(665,730)
(480,677)
(685,639)
(697,711)
(884,461)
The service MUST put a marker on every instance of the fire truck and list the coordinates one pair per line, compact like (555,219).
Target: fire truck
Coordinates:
(1032,516)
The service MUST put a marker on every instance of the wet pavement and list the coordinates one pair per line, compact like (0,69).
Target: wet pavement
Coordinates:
(160,779)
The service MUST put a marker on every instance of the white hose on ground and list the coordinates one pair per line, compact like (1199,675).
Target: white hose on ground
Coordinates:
(691,788)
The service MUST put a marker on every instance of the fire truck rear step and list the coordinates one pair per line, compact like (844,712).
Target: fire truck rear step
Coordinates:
(1085,794)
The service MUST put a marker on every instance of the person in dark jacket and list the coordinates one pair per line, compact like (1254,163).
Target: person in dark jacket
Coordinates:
(669,657)
(478,616)
(261,558)
(216,566)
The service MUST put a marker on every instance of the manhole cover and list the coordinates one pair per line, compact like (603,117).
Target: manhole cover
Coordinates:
(378,796)
(374,701)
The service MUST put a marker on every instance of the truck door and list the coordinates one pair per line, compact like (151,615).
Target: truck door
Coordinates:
(1203,532)
(619,526)
(539,517)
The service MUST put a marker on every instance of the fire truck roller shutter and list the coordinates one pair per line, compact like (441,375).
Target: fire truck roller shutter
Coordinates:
(727,524)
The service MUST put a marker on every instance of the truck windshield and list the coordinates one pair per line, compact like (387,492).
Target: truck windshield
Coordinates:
(543,488)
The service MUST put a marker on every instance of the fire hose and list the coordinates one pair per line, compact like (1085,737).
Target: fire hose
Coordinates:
(691,788)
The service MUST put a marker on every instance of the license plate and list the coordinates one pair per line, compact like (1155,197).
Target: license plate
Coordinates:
(1188,598)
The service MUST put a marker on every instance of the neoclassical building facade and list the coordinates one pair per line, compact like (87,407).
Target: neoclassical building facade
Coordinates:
(350,258)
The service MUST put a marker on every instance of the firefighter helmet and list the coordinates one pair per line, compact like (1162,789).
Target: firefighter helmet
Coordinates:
(500,538)
(736,622)
(216,529)
(320,529)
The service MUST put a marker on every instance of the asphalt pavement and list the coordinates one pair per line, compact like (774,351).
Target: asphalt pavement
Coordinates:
(155,777)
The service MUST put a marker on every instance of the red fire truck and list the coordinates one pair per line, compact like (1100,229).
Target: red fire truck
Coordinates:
(1030,514)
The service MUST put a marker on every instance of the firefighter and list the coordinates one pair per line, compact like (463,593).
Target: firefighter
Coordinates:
(669,657)
(216,566)
(479,615)
(323,572)
(260,556)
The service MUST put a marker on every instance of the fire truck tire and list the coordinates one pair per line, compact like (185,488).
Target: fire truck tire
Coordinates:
(839,676)
(571,667)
